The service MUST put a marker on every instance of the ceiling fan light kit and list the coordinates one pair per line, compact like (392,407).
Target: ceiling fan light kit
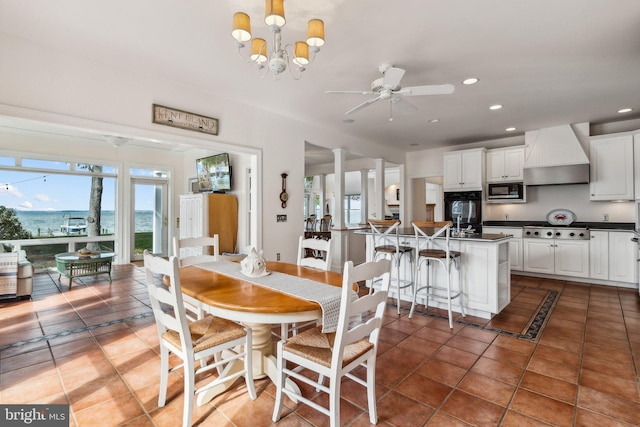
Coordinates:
(388,88)
(277,56)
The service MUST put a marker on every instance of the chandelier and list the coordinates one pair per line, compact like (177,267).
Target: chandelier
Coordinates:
(277,56)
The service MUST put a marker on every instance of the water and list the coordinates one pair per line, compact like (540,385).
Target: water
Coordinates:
(44,221)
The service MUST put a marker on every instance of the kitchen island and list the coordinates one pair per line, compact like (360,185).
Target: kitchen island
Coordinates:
(485,273)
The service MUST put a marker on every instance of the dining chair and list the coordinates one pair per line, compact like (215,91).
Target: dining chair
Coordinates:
(315,253)
(310,223)
(193,341)
(195,250)
(320,258)
(386,243)
(436,248)
(325,223)
(336,354)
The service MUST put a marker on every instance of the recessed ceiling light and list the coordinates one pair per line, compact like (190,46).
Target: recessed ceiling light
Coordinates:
(348,121)
(625,110)
(434,120)
(510,129)
(495,107)
(470,81)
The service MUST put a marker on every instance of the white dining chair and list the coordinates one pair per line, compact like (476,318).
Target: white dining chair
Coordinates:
(193,341)
(195,250)
(313,253)
(335,355)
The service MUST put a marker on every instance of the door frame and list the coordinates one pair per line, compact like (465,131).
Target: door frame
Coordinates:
(163,183)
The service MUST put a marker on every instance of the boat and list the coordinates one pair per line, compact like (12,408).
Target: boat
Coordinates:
(74,225)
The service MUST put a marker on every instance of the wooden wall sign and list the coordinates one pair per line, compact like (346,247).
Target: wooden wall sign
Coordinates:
(184,120)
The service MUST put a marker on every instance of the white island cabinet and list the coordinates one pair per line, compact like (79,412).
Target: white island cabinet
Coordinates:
(485,273)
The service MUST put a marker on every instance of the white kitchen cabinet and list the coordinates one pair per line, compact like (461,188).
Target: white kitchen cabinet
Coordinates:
(515,244)
(599,255)
(505,164)
(561,257)
(612,168)
(623,256)
(464,170)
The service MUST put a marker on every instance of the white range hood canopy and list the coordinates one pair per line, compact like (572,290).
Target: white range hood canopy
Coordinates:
(556,156)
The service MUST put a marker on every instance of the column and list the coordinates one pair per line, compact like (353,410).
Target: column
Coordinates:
(364,195)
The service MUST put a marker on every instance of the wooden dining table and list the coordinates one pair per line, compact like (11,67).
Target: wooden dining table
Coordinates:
(255,306)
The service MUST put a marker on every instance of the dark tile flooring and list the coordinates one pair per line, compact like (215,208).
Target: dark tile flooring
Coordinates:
(581,368)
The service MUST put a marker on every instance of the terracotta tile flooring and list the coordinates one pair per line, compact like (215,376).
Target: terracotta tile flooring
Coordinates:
(581,370)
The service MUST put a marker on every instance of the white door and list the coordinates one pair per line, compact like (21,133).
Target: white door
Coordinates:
(572,258)
(149,218)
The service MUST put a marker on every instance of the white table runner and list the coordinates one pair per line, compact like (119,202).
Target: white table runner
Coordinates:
(327,296)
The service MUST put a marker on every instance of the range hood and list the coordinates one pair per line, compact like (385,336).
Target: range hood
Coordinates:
(555,156)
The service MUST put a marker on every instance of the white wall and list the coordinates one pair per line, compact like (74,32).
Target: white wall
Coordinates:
(48,85)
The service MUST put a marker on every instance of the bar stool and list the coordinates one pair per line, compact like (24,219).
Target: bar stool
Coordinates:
(431,248)
(386,243)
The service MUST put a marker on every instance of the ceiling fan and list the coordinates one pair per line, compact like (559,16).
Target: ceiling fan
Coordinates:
(388,87)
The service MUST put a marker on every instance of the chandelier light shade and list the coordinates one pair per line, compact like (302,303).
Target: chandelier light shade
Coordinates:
(315,33)
(276,56)
(241,27)
(258,50)
(274,13)
(301,53)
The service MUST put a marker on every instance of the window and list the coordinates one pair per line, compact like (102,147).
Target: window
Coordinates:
(352,209)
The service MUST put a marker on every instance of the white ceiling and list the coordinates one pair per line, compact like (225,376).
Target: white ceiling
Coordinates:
(547,62)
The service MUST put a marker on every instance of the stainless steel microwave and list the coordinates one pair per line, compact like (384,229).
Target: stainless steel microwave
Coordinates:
(507,192)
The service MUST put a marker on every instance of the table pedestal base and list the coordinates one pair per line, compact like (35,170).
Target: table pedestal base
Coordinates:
(264,363)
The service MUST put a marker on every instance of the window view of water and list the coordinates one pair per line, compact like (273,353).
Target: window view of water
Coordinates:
(49,223)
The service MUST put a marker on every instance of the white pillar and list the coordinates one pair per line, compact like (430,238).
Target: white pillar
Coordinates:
(379,185)
(364,195)
(339,170)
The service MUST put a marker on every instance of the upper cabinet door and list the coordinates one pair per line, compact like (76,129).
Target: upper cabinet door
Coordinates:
(463,170)
(505,164)
(612,168)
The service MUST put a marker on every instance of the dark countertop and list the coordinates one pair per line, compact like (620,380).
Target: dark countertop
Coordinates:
(409,232)
(628,226)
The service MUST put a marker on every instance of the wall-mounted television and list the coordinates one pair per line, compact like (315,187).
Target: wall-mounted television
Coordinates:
(214,173)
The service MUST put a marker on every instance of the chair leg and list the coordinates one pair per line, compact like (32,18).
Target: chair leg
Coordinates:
(164,375)
(189,392)
(334,402)
(415,289)
(277,407)
(371,389)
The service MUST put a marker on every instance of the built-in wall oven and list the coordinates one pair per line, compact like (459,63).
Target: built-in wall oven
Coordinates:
(464,206)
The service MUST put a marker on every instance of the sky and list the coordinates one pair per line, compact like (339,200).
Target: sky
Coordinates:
(40,192)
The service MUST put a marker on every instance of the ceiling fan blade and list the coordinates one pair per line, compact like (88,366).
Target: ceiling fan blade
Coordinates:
(392,77)
(427,90)
(404,106)
(359,92)
(361,106)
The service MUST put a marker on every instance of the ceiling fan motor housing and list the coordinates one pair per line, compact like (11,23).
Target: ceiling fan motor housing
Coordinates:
(378,86)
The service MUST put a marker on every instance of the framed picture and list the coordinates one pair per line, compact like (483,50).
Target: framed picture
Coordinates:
(193,185)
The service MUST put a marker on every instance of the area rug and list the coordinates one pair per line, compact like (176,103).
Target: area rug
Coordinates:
(525,317)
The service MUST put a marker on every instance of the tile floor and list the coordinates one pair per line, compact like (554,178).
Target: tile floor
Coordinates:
(581,370)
